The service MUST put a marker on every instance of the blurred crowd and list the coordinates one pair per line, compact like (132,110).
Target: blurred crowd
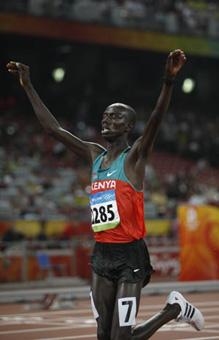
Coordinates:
(173,16)
(41,179)
(191,136)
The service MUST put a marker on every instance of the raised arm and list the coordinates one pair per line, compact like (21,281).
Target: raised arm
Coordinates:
(88,150)
(135,165)
(174,63)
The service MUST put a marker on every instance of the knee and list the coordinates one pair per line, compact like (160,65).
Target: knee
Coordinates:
(122,333)
(103,334)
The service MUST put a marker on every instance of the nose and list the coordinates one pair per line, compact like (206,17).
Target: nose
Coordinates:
(105,119)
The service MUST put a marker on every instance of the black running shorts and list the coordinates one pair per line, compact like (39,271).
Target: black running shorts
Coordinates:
(122,262)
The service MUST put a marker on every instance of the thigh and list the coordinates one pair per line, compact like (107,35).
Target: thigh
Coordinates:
(103,294)
(126,309)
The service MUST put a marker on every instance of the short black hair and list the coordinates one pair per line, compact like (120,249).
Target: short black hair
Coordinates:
(128,109)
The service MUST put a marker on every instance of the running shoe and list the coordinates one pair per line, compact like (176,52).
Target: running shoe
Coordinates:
(189,313)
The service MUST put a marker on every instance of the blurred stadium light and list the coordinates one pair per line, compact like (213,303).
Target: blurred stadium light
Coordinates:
(58,74)
(188,85)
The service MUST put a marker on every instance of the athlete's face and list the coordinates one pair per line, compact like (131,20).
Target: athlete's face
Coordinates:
(115,122)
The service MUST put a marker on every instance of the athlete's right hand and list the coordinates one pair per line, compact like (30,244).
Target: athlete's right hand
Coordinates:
(20,70)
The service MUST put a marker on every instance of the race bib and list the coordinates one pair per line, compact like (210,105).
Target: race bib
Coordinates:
(127,311)
(104,210)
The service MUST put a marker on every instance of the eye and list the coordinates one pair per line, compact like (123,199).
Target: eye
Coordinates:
(118,116)
(105,116)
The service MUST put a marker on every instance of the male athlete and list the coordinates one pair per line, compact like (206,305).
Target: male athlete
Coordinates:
(120,261)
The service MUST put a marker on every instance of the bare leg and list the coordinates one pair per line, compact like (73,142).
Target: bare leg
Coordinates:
(123,313)
(145,330)
(104,293)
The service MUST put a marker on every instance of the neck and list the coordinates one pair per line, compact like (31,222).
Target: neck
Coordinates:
(114,148)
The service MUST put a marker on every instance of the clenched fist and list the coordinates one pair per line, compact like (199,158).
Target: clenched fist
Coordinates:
(175,61)
(20,70)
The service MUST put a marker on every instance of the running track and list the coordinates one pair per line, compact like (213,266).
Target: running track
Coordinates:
(17,323)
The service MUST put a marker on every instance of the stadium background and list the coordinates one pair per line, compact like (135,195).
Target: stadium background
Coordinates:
(83,56)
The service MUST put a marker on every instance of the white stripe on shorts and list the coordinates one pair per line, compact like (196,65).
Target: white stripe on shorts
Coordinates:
(95,312)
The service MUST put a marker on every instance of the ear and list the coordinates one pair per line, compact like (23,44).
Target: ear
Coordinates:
(129,126)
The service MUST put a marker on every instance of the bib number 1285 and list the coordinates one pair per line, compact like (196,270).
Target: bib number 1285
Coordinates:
(102,214)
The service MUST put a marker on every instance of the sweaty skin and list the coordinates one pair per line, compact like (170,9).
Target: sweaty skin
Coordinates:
(115,121)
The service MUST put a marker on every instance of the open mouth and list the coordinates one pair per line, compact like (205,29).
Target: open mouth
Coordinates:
(105,129)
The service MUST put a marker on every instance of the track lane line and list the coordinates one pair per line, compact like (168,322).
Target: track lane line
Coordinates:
(71,337)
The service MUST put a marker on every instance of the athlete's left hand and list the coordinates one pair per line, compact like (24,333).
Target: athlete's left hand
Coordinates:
(175,60)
